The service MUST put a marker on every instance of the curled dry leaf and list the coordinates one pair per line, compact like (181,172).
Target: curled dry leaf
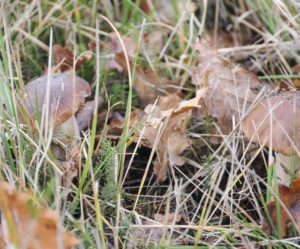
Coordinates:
(289,211)
(24,224)
(173,140)
(65,59)
(165,130)
(146,82)
(231,89)
(114,47)
(162,126)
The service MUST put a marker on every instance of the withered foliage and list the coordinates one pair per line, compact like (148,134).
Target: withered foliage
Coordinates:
(286,216)
(231,89)
(26,224)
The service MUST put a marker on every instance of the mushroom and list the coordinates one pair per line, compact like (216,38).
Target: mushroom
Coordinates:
(67,94)
(275,123)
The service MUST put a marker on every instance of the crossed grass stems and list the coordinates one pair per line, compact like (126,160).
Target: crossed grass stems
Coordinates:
(202,226)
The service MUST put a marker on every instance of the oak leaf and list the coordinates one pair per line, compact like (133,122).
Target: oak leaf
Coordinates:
(231,89)
(289,210)
(25,224)
(162,126)
(165,128)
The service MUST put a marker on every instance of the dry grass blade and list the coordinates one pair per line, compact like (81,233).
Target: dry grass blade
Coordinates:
(166,161)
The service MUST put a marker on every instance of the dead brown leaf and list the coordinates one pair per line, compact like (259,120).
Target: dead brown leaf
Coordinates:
(222,39)
(296,71)
(290,197)
(274,122)
(114,47)
(65,59)
(154,41)
(171,137)
(24,224)
(146,5)
(162,126)
(231,89)
(116,122)
(169,218)
(165,126)
(146,82)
